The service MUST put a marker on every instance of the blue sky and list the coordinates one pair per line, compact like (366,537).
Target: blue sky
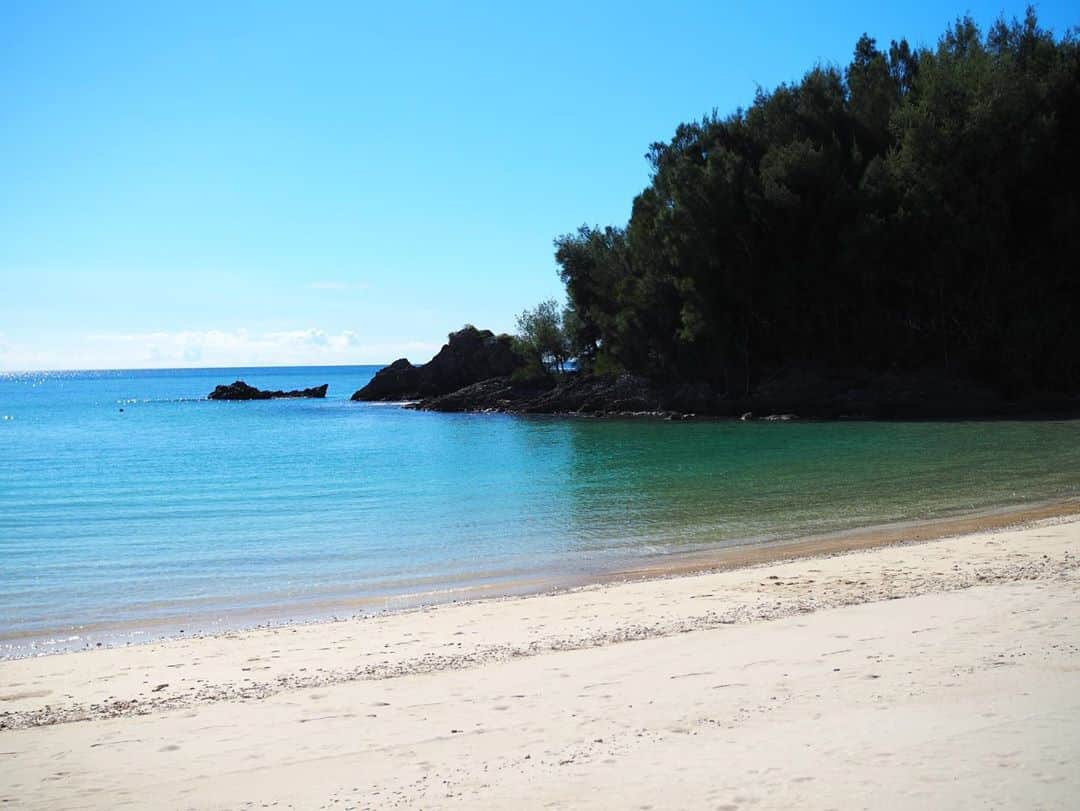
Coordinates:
(200,184)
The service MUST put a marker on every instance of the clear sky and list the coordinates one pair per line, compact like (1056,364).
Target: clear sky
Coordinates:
(203,184)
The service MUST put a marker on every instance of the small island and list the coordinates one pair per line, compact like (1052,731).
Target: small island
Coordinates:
(240,390)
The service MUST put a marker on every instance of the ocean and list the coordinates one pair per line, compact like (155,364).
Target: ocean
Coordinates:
(132,508)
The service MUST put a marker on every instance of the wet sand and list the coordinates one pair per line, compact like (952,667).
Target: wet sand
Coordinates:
(939,671)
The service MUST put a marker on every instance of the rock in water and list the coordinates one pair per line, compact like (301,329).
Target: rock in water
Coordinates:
(242,391)
(470,356)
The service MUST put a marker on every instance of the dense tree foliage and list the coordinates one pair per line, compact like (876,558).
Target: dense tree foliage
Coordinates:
(542,338)
(917,209)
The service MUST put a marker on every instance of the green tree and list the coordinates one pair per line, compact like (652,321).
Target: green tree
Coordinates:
(918,208)
(541,337)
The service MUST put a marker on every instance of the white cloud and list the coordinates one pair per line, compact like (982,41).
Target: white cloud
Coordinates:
(216,347)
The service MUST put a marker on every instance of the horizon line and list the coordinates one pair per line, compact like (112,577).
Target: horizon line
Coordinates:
(4,372)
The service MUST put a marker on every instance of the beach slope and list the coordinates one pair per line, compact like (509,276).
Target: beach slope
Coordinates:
(943,673)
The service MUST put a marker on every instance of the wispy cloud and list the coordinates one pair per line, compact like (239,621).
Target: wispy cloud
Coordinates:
(215,347)
(339,342)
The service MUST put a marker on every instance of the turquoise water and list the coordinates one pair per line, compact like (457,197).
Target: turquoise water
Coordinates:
(180,513)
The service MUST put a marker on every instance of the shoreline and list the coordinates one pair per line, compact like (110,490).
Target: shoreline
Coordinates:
(917,395)
(477,371)
(670,572)
(509,584)
(772,681)
(946,670)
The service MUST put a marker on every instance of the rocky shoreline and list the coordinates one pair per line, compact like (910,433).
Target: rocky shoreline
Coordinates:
(911,396)
(477,371)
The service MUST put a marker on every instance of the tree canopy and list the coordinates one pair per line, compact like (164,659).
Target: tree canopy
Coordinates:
(542,338)
(918,208)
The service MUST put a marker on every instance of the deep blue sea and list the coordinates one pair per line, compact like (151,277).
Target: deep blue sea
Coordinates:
(131,507)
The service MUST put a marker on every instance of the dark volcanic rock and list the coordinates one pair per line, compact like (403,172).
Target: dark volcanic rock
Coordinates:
(576,394)
(788,394)
(242,391)
(470,356)
(494,394)
(478,371)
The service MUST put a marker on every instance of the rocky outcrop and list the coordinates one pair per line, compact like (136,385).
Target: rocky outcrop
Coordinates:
(478,371)
(598,395)
(242,391)
(469,356)
(790,394)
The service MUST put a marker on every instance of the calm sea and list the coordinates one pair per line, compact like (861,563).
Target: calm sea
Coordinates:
(131,507)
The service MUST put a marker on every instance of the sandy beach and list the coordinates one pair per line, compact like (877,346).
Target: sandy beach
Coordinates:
(942,672)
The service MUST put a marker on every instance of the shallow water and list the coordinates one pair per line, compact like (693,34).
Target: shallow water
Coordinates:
(177,512)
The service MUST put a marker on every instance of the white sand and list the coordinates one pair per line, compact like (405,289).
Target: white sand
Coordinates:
(941,674)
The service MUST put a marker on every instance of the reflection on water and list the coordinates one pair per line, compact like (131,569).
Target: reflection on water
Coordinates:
(730,482)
